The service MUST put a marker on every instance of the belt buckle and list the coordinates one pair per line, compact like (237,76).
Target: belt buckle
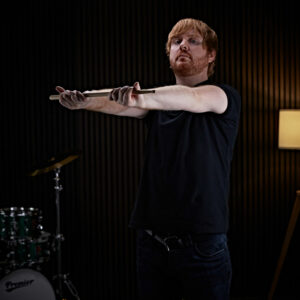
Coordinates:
(170,238)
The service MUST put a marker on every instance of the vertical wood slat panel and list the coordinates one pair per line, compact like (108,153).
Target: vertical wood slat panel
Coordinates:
(114,43)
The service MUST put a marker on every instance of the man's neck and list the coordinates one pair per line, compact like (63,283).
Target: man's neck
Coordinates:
(191,80)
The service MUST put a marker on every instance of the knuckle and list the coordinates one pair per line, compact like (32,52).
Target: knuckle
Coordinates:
(115,91)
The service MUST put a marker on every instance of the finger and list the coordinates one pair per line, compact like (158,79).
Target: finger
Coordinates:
(127,95)
(80,96)
(121,99)
(66,102)
(110,97)
(67,93)
(74,96)
(66,97)
(136,86)
(59,89)
(115,94)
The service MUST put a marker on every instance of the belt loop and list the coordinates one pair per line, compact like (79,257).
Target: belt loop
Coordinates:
(150,232)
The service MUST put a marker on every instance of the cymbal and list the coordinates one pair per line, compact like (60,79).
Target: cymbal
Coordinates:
(55,163)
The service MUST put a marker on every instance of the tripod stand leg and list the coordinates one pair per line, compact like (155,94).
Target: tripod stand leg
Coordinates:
(61,278)
(71,288)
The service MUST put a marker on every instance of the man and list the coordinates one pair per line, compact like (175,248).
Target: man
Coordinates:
(181,211)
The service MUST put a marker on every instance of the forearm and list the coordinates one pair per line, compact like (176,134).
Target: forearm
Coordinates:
(103,104)
(173,97)
(178,97)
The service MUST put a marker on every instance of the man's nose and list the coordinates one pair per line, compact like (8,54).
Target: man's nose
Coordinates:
(184,45)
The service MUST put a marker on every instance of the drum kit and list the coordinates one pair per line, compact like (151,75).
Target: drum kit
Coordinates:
(25,247)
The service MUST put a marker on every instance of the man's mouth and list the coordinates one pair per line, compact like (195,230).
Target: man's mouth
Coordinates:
(183,56)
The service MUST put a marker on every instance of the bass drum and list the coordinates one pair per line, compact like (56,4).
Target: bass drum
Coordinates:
(26,284)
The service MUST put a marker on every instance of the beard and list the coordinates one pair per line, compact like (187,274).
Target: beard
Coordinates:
(190,67)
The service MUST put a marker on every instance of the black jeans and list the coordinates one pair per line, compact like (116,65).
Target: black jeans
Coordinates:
(201,270)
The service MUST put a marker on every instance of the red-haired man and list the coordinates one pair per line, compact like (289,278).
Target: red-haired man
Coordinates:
(181,210)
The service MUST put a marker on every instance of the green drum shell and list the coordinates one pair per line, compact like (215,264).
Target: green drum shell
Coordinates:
(32,252)
(23,243)
(2,225)
(28,223)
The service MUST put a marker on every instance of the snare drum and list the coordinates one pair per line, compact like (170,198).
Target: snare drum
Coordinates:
(26,284)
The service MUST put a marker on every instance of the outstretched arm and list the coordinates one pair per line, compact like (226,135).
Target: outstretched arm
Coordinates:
(176,97)
(75,100)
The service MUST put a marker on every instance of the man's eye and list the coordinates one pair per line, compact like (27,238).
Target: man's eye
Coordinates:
(177,41)
(194,41)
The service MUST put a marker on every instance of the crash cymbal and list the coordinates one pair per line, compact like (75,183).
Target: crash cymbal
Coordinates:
(55,162)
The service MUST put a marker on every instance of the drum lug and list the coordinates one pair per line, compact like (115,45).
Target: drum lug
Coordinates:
(59,237)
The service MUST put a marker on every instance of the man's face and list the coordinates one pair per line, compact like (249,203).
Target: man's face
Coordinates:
(187,55)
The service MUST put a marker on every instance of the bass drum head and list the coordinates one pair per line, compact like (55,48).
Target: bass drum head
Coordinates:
(26,284)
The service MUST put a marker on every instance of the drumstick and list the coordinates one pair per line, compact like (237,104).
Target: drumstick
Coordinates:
(102,94)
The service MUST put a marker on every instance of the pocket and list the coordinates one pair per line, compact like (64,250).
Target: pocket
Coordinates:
(210,249)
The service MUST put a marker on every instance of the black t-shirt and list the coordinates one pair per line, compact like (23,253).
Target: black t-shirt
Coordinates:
(185,180)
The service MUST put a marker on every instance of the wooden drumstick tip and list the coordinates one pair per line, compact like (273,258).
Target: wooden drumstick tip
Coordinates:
(54,97)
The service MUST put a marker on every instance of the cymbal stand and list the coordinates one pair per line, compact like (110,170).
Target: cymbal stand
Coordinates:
(61,278)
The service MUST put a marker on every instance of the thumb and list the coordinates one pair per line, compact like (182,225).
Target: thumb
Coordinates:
(60,89)
(136,86)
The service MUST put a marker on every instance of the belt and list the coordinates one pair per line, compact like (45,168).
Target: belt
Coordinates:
(172,242)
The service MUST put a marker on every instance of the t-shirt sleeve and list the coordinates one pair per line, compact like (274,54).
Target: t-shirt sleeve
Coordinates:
(233,109)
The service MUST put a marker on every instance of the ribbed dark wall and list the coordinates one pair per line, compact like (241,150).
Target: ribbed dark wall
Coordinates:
(99,44)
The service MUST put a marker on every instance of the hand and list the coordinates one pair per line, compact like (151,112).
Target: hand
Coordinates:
(125,95)
(71,99)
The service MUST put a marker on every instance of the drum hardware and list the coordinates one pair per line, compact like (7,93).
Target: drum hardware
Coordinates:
(24,244)
(55,164)
(68,283)
(61,278)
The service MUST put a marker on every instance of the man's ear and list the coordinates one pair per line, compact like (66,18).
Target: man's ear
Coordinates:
(211,56)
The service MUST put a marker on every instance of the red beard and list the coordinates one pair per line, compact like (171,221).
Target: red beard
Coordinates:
(189,67)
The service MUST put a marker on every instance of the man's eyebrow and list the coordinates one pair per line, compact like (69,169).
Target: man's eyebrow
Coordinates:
(197,35)
(194,35)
